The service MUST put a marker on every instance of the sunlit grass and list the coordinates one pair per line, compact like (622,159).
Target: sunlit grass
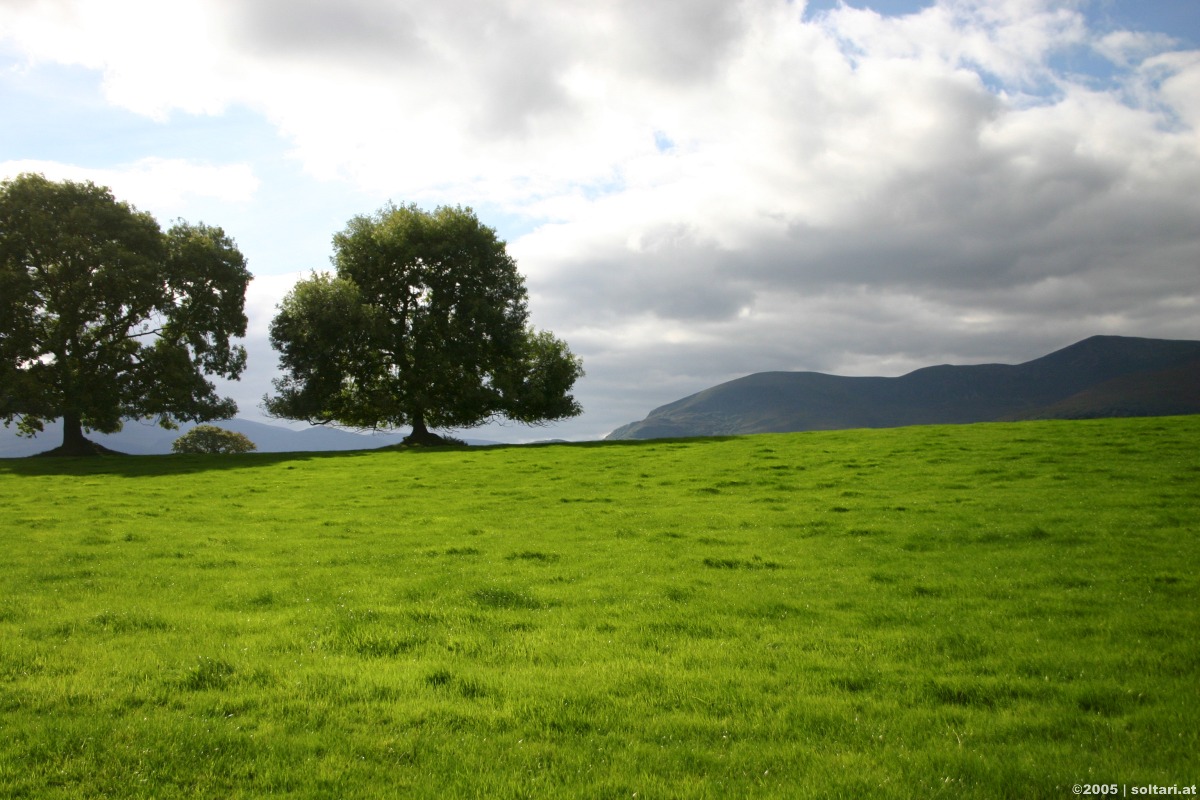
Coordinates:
(974,611)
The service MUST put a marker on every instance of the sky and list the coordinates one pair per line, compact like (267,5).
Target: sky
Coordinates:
(694,190)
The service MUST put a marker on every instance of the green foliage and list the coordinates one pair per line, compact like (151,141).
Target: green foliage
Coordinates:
(424,323)
(979,611)
(104,317)
(212,440)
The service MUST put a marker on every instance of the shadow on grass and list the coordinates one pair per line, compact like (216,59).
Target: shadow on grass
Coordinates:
(688,440)
(134,466)
(130,466)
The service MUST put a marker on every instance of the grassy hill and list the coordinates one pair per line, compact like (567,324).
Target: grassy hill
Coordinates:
(1097,377)
(982,611)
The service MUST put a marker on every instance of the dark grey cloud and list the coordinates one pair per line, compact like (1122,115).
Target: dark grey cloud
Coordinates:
(519,69)
(500,66)
(358,30)
(681,278)
(674,41)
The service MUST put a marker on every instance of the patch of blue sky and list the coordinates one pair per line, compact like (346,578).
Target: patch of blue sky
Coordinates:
(663,143)
(1080,64)
(612,183)
(1179,19)
(508,223)
(50,111)
(59,113)
(515,218)
(890,8)
(1087,66)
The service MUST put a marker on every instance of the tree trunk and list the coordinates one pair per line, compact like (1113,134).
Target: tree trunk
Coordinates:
(419,431)
(74,444)
(420,434)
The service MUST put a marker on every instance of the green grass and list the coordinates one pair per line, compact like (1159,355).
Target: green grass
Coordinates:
(976,611)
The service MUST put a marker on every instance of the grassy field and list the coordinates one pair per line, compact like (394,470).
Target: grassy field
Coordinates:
(976,611)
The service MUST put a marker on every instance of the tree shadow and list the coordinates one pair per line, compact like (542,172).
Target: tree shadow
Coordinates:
(608,443)
(136,466)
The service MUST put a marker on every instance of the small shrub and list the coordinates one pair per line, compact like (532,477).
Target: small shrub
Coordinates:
(211,439)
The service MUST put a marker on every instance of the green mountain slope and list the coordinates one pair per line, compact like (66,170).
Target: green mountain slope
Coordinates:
(1098,377)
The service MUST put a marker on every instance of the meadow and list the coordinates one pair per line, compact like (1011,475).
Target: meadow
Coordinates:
(982,611)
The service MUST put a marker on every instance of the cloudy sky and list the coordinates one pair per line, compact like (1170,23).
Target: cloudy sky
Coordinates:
(694,189)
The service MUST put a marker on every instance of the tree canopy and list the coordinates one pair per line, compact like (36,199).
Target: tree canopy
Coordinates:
(105,317)
(424,323)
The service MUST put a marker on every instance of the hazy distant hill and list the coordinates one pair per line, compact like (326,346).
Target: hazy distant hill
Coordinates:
(1104,376)
(145,438)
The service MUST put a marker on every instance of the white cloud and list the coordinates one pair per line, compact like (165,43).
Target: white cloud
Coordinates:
(155,57)
(159,185)
(1179,74)
(1127,48)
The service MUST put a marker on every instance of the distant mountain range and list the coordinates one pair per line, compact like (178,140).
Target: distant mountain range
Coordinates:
(1104,376)
(146,438)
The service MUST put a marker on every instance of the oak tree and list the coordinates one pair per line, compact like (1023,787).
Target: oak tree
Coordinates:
(106,317)
(424,323)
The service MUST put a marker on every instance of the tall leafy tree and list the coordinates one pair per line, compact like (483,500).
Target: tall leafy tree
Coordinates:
(105,317)
(424,324)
